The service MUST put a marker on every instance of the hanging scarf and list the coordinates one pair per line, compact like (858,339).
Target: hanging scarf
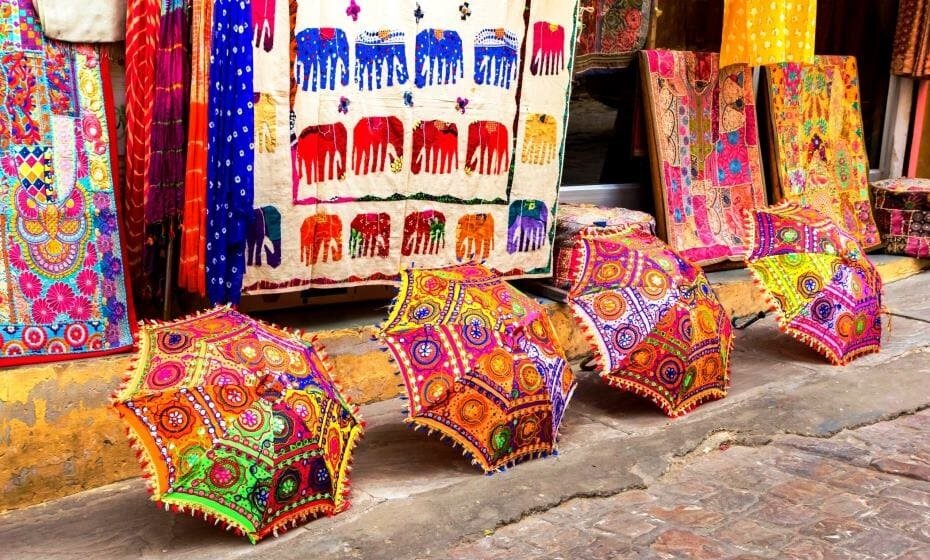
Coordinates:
(911,56)
(142,20)
(760,32)
(163,195)
(230,149)
(192,270)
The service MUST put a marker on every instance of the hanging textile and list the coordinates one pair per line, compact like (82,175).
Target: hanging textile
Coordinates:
(759,32)
(62,284)
(142,18)
(911,55)
(230,149)
(425,136)
(611,33)
(707,167)
(165,188)
(192,268)
(818,145)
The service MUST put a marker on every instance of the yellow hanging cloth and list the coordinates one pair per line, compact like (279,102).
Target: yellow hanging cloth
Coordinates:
(760,32)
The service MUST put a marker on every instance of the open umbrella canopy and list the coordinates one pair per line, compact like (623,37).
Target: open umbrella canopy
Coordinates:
(820,284)
(653,322)
(480,363)
(239,422)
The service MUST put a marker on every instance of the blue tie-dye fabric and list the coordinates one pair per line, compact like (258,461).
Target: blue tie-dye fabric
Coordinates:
(230,145)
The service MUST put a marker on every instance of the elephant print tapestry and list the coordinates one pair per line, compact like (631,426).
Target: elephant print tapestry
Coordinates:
(818,142)
(405,134)
(706,160)
(62,284)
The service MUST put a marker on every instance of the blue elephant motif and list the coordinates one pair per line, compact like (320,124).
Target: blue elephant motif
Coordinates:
(322,54)
(439,58)
(264,230)
(378,53)
(526,226)
(496,57)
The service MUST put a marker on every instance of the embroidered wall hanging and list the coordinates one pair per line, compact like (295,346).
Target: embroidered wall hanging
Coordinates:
(818,144)
(611,33)
(389,137)
(706,162)
(62,287)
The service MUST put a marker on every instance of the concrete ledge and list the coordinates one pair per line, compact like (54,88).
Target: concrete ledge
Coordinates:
(58,435)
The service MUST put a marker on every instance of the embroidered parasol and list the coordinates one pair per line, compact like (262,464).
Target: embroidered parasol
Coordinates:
(239,422)
(480,363)
(656,327)
(819,282)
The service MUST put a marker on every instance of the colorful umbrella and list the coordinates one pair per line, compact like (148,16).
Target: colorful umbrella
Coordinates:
(239,422)
(480,363)
(820,284)
(656,327)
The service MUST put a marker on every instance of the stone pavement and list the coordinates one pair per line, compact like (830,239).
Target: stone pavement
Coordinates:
(864,493)
(413,497)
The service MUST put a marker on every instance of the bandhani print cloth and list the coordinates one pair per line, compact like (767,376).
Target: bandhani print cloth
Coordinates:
(239,422)
(577,220)
(911,54)
(820,284)
(230,150)
(480,364)
(652,320)
(706,159)
(818,144)
(611,33)
(759,32)
(421,134)
(62,281)
(902,211)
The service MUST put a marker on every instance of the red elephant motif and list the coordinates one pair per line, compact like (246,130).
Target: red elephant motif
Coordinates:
(435,147)
(321,153)
(548,49)
(376,140)
(321,237)
(424,233)
(370,235)
(474,237)
(488,148)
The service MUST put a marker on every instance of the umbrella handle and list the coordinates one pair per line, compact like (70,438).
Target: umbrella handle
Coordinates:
(589,364)
(744,321)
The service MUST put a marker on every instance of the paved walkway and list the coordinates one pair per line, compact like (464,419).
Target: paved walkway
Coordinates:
(861,494)
(627,478)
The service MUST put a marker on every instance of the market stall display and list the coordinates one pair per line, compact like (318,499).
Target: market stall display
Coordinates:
(704,147)
(820,283)
(480,363)
(239,422)
(63,289)
(653,322)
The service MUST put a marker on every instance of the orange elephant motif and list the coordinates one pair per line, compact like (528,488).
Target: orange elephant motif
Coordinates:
(321,237)
(474,237)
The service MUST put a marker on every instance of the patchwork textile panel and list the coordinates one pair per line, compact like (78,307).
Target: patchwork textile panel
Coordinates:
(576,221)
(62,286)
(399,134)
(611,32)
(911,54)
(902,211)
(818,142)
(706,161)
